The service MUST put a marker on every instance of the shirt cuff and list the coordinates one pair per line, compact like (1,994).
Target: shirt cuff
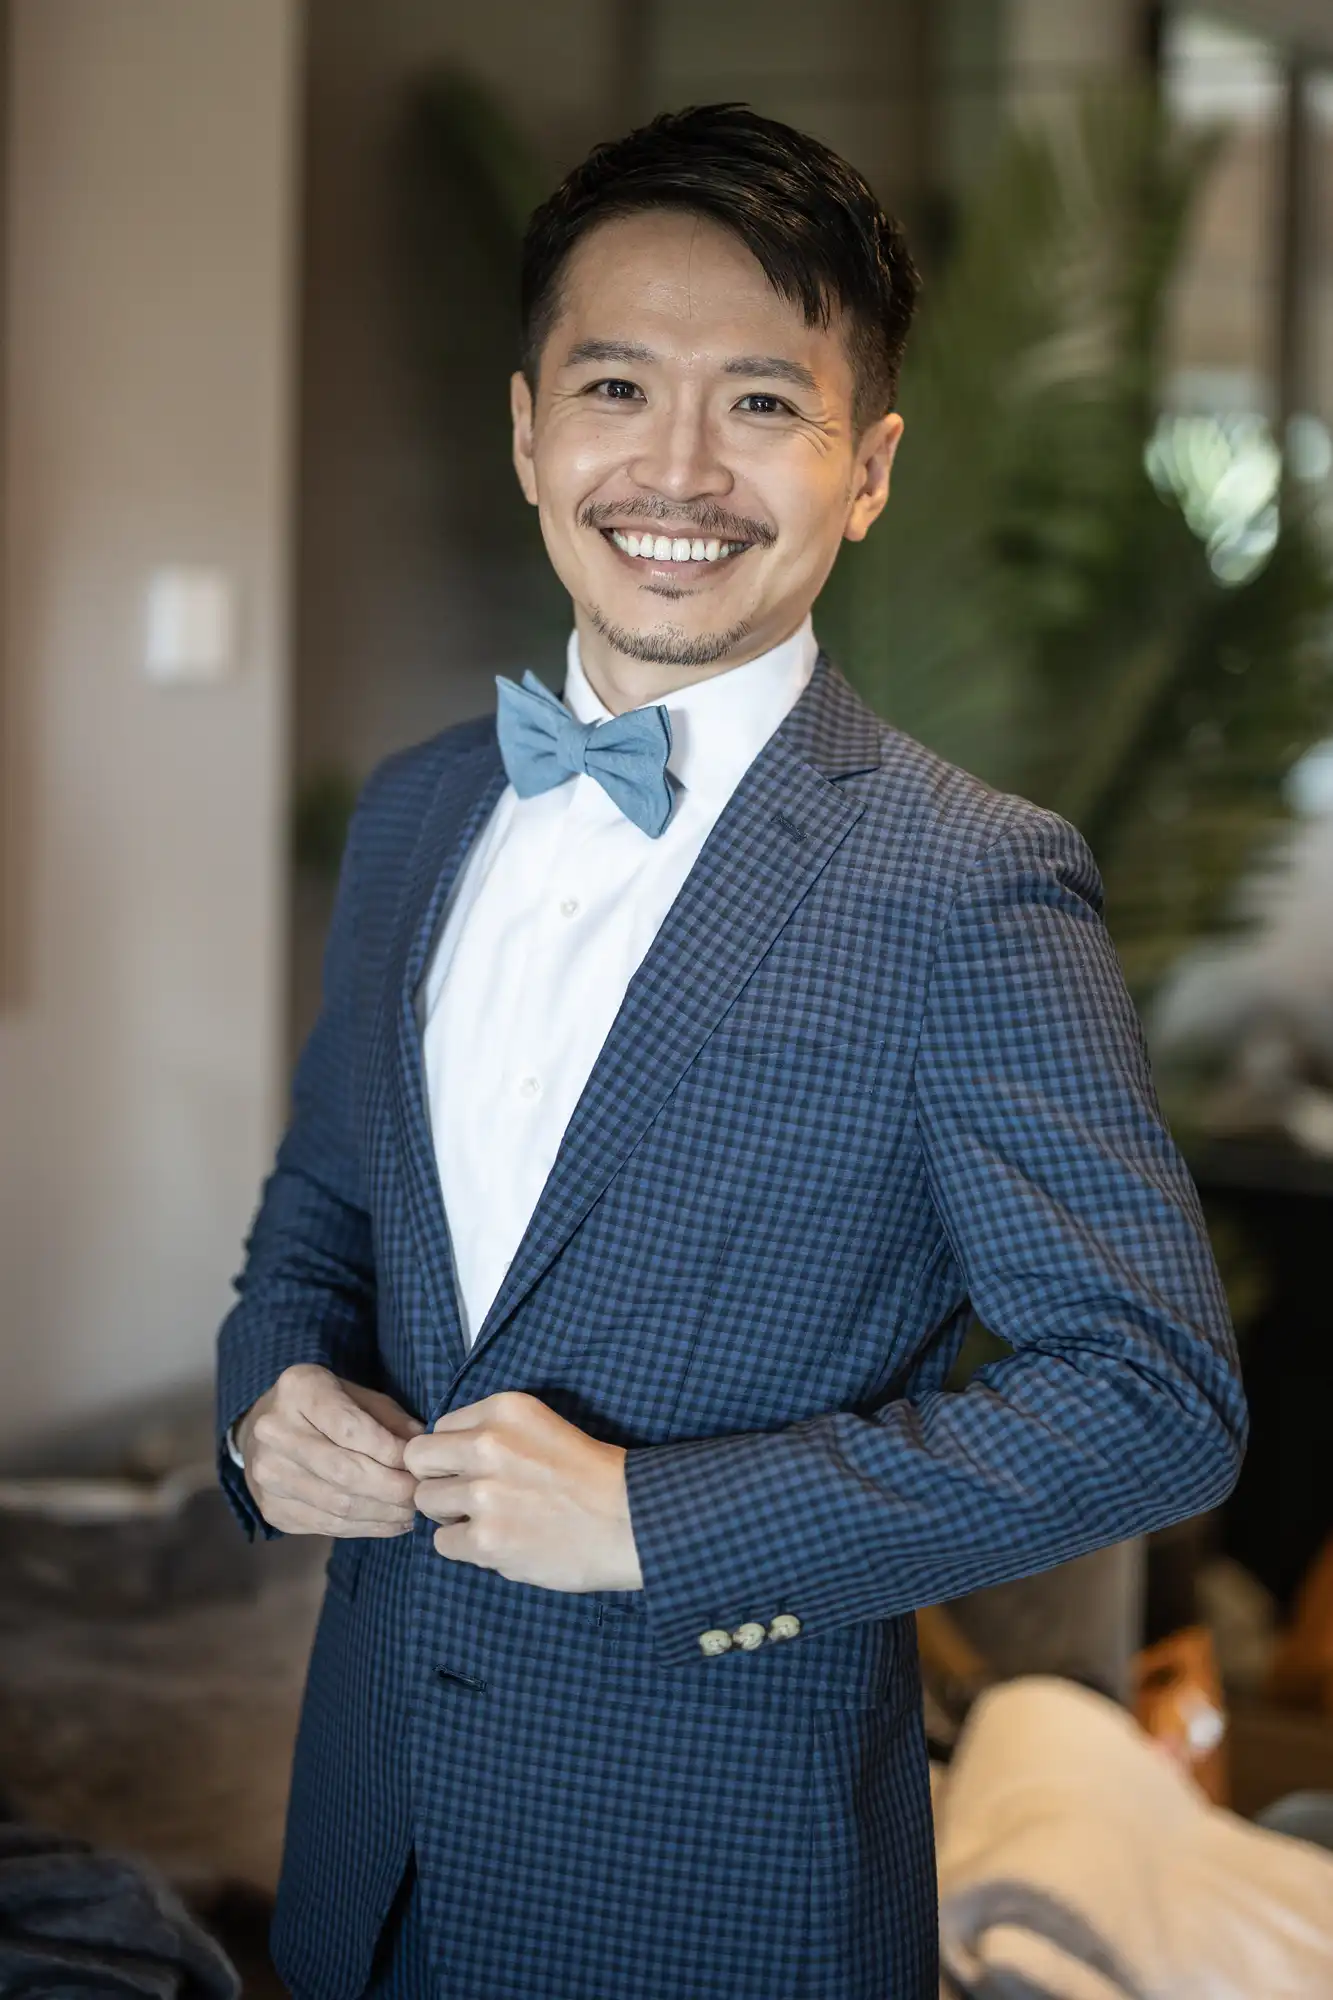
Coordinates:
(233,1449)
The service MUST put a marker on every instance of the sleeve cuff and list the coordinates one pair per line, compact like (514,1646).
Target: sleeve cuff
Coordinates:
(709,1588)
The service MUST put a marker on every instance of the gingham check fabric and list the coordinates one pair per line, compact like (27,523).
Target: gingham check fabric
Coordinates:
(878,1063)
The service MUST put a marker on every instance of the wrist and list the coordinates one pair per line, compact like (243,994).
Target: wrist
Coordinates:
(629,1572)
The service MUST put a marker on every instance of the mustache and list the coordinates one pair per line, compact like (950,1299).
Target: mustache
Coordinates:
(704,516)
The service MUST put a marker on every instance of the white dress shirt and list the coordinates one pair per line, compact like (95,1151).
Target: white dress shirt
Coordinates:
(550,918)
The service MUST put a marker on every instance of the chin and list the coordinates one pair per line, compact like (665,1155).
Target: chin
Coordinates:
(667,643)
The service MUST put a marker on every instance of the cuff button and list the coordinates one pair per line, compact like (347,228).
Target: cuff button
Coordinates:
(748,1637)
(785,1626)
(713,1642)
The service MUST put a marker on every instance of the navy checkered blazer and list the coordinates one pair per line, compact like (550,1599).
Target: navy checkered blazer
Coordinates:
(878,1066)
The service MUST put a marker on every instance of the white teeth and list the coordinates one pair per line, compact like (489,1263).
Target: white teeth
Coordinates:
(673,548)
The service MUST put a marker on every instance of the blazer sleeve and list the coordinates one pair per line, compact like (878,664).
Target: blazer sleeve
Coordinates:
(306,1292)
(1078,1235)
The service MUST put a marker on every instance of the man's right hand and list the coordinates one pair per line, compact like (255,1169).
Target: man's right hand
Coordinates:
(325,1457)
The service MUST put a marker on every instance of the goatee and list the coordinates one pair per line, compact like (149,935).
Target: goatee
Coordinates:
(668,645)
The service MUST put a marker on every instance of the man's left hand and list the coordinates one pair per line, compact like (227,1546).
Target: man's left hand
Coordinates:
(518,1490)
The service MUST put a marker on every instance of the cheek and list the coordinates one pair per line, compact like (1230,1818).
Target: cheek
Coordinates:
(806,493)
(575,453)
(809,535)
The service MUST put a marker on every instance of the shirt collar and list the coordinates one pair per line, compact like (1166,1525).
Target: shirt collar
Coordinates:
(718,725)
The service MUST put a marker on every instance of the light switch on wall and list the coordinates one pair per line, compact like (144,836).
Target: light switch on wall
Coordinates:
(190,625)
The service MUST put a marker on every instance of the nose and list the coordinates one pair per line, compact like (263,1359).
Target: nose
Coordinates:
(677,453)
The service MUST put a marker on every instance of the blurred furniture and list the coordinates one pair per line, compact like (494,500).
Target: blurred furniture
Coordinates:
(1179,1703)
(1075,1859)
(1282,1509)
(1274,1751)
(1302,1669)
(1082,1620)
(73,1920)
(1302,1816)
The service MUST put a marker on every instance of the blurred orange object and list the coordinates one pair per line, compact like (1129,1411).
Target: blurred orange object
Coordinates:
(1179,1703)
(944,1650)
(1302,1671)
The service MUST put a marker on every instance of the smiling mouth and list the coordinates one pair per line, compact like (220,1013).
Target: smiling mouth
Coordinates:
(682,552)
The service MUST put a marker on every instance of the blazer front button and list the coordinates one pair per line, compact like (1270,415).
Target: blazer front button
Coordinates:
(713,1642)
(785,1626)
(748,1636)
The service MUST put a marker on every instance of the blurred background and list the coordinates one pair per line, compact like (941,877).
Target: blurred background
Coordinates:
(259,529)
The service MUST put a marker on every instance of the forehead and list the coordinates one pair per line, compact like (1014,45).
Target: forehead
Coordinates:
(688,288)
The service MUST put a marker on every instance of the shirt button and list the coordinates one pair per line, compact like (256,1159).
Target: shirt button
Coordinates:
(748,1637)
(570,906)
(529,1086)
(714,1642)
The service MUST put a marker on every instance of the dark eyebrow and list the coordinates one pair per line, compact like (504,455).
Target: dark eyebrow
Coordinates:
(770,367)
(608,350)
(773,366)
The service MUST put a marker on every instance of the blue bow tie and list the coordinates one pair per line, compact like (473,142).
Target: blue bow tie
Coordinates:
(542,745)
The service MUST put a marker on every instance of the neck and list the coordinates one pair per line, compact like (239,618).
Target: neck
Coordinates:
(622,683)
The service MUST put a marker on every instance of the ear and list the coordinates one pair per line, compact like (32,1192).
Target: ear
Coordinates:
(870,475)
(521,411)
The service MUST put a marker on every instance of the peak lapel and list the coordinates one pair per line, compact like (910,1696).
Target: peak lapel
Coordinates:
(463,803)
(783,823)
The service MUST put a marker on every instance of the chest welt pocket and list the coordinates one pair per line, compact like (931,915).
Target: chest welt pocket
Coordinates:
(787,1066)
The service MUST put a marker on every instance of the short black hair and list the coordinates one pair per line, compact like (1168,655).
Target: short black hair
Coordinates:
(818,233)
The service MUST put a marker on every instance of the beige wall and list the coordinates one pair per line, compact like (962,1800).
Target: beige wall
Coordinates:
(149,224)
(1307,24)
(397,632)
(1052,46)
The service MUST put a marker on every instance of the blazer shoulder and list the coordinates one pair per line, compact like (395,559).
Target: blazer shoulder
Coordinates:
(954,822)
(406,778)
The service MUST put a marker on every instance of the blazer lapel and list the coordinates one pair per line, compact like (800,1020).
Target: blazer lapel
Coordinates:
(463,803)
(777,833)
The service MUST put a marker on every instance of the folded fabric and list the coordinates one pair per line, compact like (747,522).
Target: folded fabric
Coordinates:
(1076,1862)
(76,1921)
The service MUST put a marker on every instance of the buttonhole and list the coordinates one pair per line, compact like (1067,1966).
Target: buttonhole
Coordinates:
(458,1679)
(789,826)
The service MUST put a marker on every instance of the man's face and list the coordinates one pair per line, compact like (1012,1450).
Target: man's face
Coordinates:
(691,450)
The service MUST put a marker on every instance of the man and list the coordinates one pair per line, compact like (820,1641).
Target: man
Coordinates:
(692,1054)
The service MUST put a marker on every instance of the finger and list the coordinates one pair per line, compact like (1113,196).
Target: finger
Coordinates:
(284,1479)
(400,1423)
(293,1517)
(449,1455)
(458,1544)
(305,1446)
(330,1409)
(447,1499)
(475,1416)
